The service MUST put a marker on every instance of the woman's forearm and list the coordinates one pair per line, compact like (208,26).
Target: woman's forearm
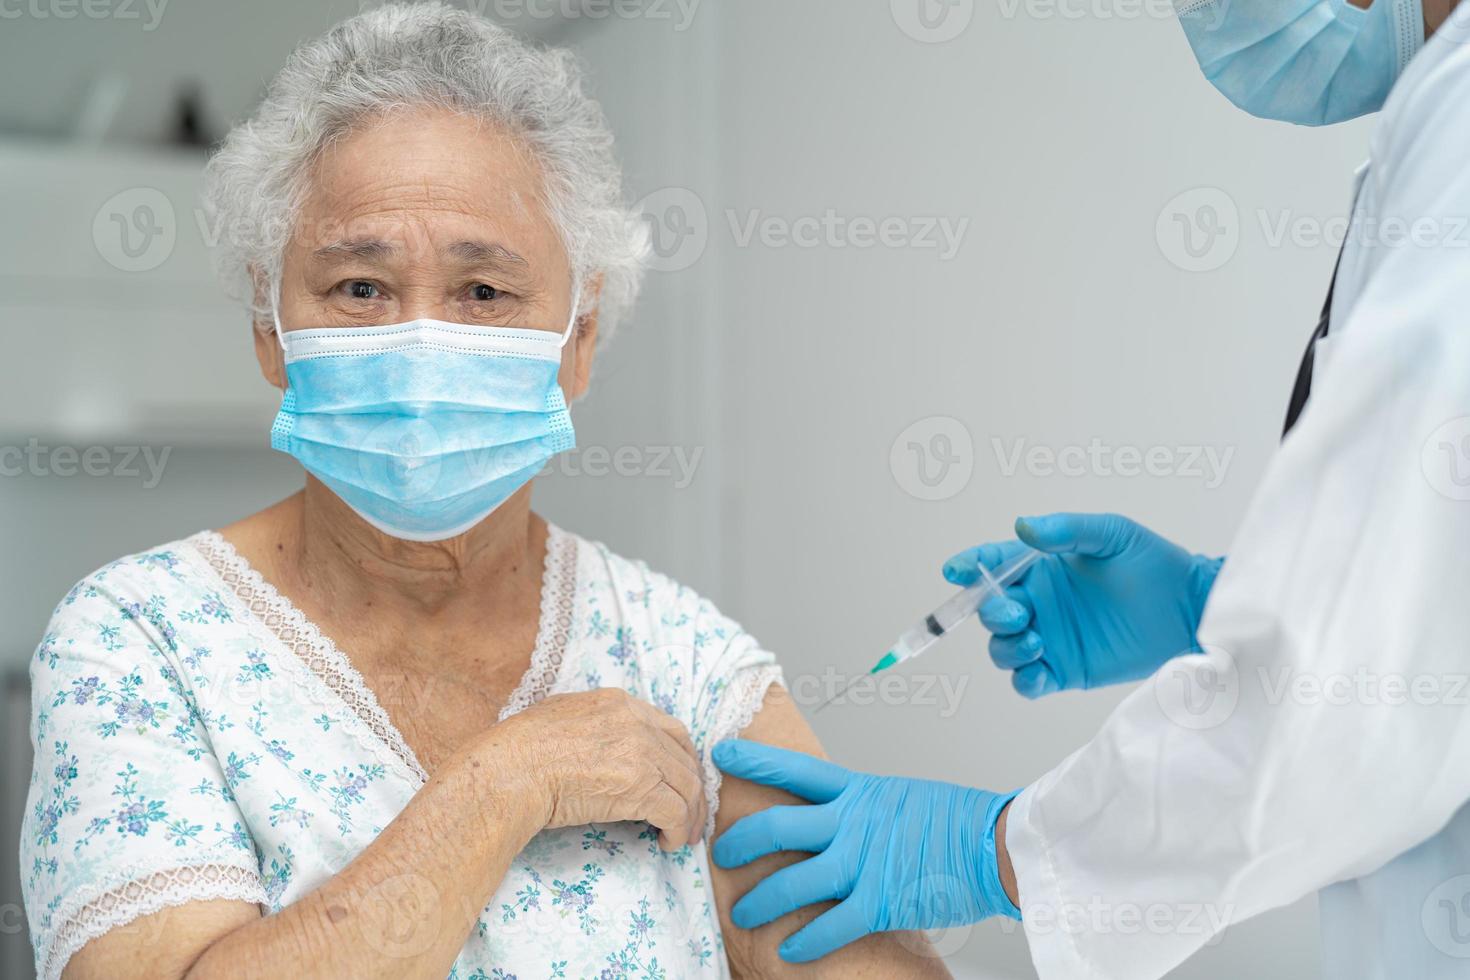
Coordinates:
(404,906)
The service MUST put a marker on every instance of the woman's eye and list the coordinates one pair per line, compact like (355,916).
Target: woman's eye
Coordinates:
(362,289)
(482,293)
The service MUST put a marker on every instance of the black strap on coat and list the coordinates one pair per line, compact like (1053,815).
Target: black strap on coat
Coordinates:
(1302,390)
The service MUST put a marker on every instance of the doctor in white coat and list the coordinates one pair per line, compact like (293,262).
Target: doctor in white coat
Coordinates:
(1307,725)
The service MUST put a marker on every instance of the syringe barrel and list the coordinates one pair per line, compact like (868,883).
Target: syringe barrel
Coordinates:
(960,606)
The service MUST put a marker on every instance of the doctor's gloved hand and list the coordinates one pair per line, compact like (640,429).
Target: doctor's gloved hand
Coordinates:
(897,853)
(1111,602)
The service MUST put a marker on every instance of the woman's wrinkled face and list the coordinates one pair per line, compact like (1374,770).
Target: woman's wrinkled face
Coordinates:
(427,215)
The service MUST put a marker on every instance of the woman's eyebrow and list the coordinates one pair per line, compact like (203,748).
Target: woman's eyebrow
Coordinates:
(369,249)
(486,253)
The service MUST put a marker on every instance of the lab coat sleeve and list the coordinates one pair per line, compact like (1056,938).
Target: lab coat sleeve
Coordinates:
(1325,729)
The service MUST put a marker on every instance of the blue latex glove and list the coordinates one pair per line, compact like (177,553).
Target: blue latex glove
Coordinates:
(899,853)
(1111,602)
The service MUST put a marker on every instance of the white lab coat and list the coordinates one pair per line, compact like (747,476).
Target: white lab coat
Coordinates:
(1216,791)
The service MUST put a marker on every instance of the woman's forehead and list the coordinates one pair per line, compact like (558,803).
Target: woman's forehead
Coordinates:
(427,180)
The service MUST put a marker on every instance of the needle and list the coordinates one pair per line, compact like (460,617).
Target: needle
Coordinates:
(845,688)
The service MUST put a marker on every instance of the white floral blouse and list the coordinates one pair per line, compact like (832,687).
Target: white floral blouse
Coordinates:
(197,737)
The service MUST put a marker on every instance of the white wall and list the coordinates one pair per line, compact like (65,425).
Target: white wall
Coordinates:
(1059,320)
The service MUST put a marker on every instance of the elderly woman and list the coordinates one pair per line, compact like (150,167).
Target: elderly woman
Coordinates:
(397,725)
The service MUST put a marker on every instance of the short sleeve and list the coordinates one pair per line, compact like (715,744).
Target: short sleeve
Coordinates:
(731,674)
(129,811)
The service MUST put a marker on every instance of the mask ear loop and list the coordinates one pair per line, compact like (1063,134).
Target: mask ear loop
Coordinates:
(276,313)
(572,320)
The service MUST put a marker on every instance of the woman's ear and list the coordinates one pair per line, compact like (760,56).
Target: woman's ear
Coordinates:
(267,343)
(268,353)
(584,343)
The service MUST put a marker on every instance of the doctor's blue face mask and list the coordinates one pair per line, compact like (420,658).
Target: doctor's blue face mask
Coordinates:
(1311,62)
(423,428)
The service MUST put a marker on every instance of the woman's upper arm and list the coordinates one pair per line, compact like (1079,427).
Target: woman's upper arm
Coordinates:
(129,812)
(752,952)
(165,944)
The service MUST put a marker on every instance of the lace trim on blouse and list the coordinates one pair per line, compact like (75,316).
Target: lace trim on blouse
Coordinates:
(332,667)
(554,632)
(738,706)
(302,637)
(87,915)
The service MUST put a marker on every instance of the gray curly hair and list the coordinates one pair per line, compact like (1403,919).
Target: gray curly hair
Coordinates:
(427,54)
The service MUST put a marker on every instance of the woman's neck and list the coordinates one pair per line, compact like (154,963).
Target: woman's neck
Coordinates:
(322,546)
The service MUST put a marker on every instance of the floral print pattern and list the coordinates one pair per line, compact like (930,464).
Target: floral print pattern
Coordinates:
(181,743)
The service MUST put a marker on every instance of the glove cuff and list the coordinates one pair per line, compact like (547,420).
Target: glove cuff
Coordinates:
(991,889)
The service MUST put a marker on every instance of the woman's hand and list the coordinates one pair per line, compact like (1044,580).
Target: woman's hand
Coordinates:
(603,756)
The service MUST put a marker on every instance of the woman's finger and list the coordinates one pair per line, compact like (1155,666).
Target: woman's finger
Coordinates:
(667,810)
(688,783)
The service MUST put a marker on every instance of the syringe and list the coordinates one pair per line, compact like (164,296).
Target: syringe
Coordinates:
(953,611)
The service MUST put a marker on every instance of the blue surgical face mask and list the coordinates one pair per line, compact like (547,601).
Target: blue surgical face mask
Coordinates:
(1311,62)
(423,428)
